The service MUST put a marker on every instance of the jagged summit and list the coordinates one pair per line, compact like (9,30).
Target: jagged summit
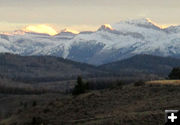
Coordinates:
(144,22)
(139,21)
(109,43)
(67,32)
(105,27)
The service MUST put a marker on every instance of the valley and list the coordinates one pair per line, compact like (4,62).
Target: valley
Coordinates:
(37,90)
(89,62)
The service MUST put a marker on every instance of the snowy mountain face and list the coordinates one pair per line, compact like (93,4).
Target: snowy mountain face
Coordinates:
(109,43)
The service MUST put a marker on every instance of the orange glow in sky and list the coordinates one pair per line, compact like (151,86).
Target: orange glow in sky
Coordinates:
(41,28)
(160,26)
(108,26)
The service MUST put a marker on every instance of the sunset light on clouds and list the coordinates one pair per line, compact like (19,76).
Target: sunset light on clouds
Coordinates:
(83,15)
(89,62)
(42,28)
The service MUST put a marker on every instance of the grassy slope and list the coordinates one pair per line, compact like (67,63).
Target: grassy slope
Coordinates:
(143,105)
(165,82)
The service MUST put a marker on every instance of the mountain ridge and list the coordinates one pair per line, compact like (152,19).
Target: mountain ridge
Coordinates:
(143,64)
(108,44)
(44,68)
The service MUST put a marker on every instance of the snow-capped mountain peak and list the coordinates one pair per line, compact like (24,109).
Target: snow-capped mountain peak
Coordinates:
(67,34)
(138,21)
(106,27)
(109,43)
(66,30)
(143,22)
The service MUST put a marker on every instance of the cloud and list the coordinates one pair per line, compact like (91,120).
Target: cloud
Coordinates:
(10,27)
(41,28)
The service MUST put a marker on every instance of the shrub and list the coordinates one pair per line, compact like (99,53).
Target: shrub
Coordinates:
(139,83)
(34,103)
(80,87)
(120,84)
(175,73)
(36,121)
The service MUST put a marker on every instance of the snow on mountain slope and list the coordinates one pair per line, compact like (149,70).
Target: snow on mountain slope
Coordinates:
(109,43)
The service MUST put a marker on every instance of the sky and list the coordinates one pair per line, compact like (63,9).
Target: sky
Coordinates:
(83,15)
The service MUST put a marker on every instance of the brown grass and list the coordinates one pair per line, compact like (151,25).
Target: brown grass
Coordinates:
(165,82)
(129,105)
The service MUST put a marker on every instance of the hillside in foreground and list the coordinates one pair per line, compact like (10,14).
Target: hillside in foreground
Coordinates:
(127,105)
(164,82)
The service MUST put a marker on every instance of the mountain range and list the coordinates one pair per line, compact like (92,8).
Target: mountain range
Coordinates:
(48,68)
(146,64)
(44,68)
(108,44)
